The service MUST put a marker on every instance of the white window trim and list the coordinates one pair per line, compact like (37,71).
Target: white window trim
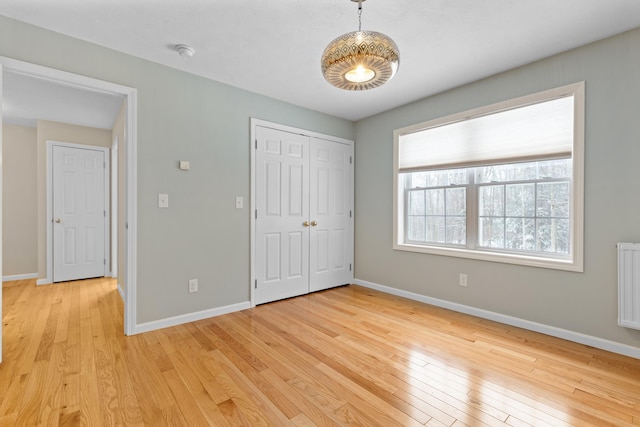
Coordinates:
(575,262)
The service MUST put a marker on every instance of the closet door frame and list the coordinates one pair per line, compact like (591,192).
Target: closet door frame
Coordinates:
(252,211)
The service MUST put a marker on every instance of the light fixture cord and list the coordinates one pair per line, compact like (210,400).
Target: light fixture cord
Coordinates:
(360,15)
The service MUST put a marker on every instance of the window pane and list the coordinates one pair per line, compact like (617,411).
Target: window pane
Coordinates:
(458,177)
(524,171)
(437,178)
(416,202)
(492,232)
(456,230)
(456,201)
(553,200)
(521,200)
(435,202)
(416,229)
(505,173)
(492,200)
(553,235)
(435,229)
(521,234)
(418,180)
(554,169)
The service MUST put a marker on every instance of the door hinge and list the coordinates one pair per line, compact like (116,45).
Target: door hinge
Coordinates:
(349,267)
(256,215)
(350,214)
(256,144)
(256,284)
(350,160)
(104,261)
(104,213)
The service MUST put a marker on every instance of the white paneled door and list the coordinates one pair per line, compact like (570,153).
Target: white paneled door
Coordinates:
(282,205)
(331,234)
(79,213)
(303,217)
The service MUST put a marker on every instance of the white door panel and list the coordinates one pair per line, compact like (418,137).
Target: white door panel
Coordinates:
(282,205)
(79,213)
(330,210)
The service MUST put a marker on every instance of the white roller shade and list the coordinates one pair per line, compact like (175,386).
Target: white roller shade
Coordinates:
(537,131)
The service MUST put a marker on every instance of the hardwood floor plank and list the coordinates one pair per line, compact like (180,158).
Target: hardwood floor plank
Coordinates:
(52,390)
(32,332)
(200,361)
(247,403)
(300,420)
(195,389)
(147,376)
(185,400)
(14,394)
(31,400)
(8,420)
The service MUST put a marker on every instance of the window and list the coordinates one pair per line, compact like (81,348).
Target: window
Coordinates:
(500,183)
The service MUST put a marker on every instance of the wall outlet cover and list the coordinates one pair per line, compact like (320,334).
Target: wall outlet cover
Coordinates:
(163,200)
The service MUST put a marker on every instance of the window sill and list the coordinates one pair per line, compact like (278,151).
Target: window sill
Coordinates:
(507,258)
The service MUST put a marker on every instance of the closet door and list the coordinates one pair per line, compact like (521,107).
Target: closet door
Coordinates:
(331,217)
(303,217)
(282,215)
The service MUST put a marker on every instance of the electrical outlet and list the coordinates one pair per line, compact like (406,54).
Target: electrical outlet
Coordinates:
(193,285)
(462,280)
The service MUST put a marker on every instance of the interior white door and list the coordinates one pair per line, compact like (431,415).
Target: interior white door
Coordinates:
(282,215)
(79,215)
(331,239)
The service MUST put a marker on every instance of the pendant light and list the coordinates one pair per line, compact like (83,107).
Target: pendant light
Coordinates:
(360,60)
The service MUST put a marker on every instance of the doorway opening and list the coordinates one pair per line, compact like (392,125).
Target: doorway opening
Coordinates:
(127,227)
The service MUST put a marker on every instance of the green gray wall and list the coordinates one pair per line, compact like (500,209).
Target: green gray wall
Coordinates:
(180,117)
(580,302)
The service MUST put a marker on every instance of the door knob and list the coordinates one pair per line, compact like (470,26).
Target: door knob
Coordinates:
(58,220)
(305,224)
(314,223)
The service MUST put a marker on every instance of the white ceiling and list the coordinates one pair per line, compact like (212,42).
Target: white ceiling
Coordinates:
(273,47)
(25,99)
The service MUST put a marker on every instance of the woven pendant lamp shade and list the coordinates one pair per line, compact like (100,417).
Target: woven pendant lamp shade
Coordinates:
(360,60)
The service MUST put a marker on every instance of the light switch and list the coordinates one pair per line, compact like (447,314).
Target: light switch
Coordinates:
(163,200)
(239,202)
(184,165)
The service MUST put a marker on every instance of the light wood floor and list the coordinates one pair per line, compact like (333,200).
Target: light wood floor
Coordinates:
(347,356)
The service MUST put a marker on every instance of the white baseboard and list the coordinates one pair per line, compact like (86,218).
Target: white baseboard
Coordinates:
(191,317)
(121,292)
(577,337)
(20,277)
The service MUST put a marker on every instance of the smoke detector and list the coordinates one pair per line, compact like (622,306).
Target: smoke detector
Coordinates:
(185,50)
